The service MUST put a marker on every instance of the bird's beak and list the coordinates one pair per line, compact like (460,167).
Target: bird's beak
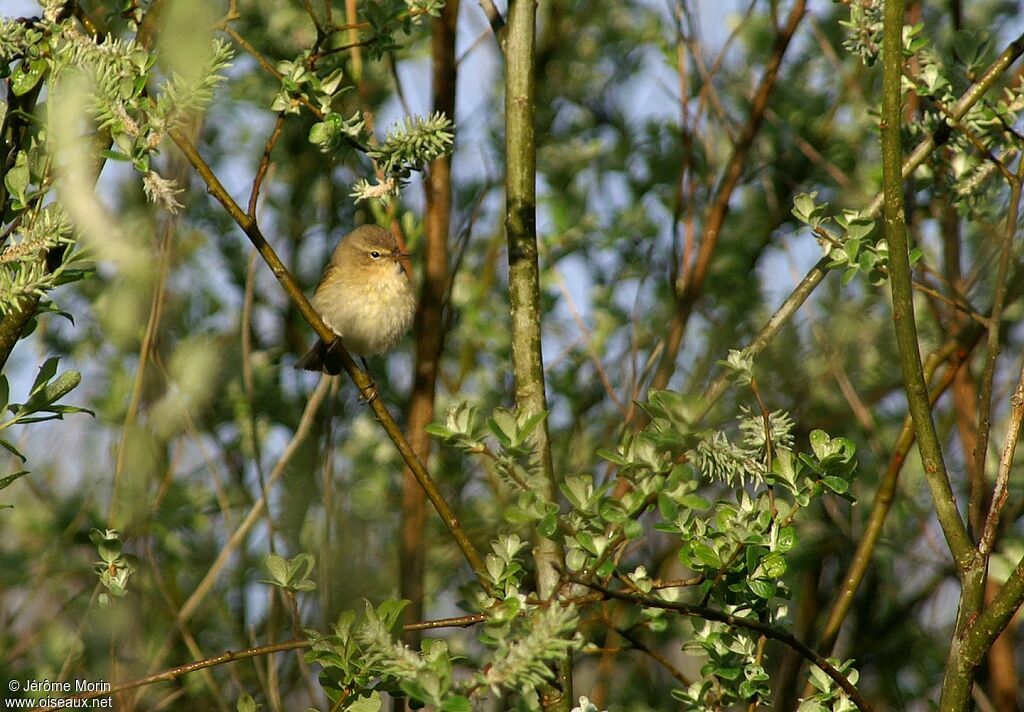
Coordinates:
(399,255)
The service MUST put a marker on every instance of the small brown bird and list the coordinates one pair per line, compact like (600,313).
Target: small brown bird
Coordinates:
(364,296)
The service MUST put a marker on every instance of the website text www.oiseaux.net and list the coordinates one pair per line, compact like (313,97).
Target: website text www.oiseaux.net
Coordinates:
(50,694)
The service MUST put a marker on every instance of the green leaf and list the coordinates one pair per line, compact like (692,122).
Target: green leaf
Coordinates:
(300,567)
(114,155)
(457,703)
(787,539)
(612,511)
(277,566)
(613,457)
(64,384)
(366,704)
(762,589)
(7,480)
(439,431)
(17,178)
(667,507)
(575,559)
(11,449)
(548,526)
(706,554)
(692,501)
(46,372)
(729,672)
(836,484)
(633,529)
(529,425)
(586,540)
(774,565)
(820,444)
(24,79)
(502,424)
(329,84)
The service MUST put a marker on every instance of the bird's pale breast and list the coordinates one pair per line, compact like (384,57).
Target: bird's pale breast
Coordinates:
(370,315)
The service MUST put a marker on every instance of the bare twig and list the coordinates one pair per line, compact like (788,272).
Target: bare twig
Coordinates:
(1000,492)
(261,171)
(181,670)
(693,276)
(359,377)
(764,629)
(495,20)
(988,377)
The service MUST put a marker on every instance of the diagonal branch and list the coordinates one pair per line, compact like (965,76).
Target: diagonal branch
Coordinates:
(695,275)
(232,655)
(756,626)
(817,273)
(358,376)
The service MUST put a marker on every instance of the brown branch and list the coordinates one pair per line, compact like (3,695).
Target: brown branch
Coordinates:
(885,495)
(358,376)
(176,672)
(638,644)
(817,273)
(695,274)
(233,655)
(430,325)
(1000,492)
(459,622)
(768,631)
(146,350)
(988,377)
(264,166)
(495,20)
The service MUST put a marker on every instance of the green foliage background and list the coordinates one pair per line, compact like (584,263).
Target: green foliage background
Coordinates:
(183,438)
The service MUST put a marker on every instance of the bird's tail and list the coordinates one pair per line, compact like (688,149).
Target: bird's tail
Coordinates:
(313,360)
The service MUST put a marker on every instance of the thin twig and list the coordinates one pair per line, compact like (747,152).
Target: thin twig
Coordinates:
(261,171)
(359,377)
(231,656)
(817,273)
(588,340)
(156,307)
(255,512)
(181,670)
(768,631)
(1000,491)
(1017,402)
(694,275)
(988,376)
(638,644)
(459,622)
(495,20)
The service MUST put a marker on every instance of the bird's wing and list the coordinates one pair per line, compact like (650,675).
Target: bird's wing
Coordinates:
(329,274)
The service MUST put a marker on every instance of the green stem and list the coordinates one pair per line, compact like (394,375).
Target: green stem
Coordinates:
(902,295)
(524,287)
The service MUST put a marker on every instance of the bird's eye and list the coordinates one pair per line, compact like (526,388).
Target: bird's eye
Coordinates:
(375,254)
